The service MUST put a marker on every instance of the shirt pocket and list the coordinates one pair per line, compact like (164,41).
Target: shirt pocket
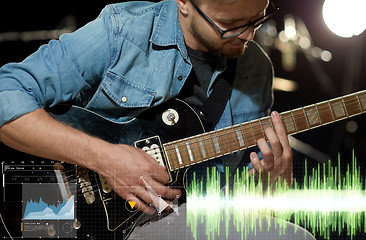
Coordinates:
(119,99)
(127,93)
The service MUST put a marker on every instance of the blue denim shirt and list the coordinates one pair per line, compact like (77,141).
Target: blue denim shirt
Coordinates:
(133,56)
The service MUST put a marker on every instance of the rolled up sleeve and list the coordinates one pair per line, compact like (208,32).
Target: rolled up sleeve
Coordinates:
(58,71)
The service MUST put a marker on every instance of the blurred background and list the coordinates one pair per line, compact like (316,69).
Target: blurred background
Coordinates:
(311,62)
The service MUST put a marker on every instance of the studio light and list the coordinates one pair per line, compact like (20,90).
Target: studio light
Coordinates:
(345,18)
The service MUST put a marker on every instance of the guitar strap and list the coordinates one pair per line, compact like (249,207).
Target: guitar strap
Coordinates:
(215,104)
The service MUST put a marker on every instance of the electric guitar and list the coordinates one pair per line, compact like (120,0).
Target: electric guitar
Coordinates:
(175,136)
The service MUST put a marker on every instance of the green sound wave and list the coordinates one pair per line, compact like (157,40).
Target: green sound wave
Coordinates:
(328,201)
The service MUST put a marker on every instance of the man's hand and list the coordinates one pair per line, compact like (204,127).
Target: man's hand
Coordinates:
(124,168)
(277,159)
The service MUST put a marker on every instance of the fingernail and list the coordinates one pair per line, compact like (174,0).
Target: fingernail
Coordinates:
(252,156)
(275,114)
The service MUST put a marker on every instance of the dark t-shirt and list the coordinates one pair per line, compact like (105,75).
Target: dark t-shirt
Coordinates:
(194,91)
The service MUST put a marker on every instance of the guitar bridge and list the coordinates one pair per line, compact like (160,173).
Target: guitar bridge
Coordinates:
(85,185)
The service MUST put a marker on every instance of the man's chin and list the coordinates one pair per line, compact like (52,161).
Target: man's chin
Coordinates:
(235,52)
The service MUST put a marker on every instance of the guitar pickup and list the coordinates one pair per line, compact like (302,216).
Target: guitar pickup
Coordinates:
(152,147)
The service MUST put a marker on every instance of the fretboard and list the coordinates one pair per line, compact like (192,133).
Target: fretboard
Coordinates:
(210,145)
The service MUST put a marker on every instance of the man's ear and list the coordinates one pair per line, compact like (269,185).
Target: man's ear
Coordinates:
(182,6)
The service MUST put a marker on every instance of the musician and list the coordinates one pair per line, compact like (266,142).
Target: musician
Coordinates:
(134,56)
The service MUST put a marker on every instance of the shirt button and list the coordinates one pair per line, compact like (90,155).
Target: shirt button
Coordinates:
(180,78)
(124,99)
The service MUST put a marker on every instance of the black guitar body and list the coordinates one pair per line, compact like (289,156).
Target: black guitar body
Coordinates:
(161,132)
(105,215)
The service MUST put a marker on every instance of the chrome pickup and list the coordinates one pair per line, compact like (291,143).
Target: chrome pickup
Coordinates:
(152,147)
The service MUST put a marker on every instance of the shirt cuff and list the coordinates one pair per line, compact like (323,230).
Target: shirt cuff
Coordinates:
(14,104)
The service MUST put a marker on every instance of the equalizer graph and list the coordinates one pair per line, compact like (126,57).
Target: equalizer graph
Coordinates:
(40,210)
(44,201)
(46,212)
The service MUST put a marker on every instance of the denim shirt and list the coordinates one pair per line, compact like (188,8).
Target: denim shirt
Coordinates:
(132,57)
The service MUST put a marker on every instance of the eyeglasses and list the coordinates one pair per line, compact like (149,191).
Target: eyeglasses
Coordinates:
(233,32)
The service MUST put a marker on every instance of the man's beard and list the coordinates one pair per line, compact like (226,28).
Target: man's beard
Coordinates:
(230,53)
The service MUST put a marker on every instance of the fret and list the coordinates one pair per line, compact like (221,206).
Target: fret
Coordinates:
(248,134)
(260,124)
(312,116)
(239,136)
(337,108)
(251,129)
(325,113)
(293,119)
(169,157)
(330,109)
(317,112)
(233,136)
(306,117)
(189,153)
(228,149)
(207,140)
(288,122)
(359,103)
(196,155)
(196,148)
(300,120)
(202,148)
(344,107)
(362,98)
(184,153)
(222,140)
(257,130)
(175,157)
(266,123)
(216,141)
(351,104)
(179,156)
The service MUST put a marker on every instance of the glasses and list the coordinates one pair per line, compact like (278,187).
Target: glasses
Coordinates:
(233,32)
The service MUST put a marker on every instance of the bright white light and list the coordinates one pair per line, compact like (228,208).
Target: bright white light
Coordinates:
(345,18)
(326,56)
(290,27)
(290,32)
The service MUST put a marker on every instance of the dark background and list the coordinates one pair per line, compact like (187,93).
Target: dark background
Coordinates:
(345,78)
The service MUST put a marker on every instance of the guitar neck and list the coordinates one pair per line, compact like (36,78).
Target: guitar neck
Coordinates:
(210,145)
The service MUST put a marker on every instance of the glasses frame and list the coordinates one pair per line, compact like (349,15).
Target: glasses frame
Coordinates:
(255,23)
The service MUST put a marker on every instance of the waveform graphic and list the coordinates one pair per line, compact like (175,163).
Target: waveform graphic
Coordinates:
(40,210)
(327,202)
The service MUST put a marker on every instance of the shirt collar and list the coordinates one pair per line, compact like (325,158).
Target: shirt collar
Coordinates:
(167,30)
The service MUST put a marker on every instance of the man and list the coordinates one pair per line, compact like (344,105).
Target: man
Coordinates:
(134,56)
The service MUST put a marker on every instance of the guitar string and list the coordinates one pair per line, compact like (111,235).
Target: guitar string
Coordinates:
(75,180)
(321,110)
(317,110)
(292,117)
(297,115)
(257,131)
(303,117)
(79,189)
